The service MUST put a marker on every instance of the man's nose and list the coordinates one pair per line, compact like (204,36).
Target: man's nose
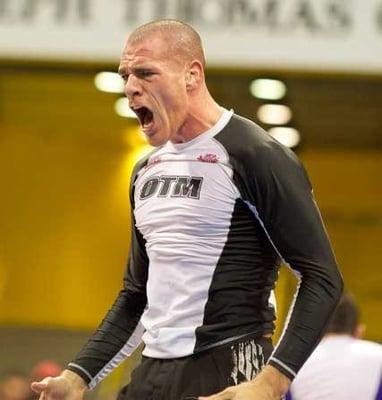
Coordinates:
(132,87)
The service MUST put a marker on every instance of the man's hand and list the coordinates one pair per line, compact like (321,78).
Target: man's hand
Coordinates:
(67,386)
(270,384)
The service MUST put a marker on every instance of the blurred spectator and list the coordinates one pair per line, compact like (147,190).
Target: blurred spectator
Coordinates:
(14,386)
(343,367)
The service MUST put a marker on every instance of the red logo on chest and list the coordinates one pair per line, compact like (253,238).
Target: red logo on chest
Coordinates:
(152,161)
(209,157)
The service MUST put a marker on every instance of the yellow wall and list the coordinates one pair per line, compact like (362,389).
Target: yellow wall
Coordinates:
(64,229)
(348,187)
(65,160)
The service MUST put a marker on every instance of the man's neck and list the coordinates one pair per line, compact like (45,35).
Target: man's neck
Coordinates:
(203,114)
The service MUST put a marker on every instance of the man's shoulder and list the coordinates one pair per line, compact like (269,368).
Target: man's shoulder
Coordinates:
(250,144)
(241,134)
(369,348)
(145,160)
(349,347)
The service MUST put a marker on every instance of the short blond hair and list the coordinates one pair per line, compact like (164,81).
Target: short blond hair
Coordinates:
(182,39)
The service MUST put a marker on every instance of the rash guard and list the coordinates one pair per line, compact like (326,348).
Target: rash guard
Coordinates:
(213,219)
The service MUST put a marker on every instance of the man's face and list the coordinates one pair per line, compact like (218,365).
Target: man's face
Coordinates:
(155,84)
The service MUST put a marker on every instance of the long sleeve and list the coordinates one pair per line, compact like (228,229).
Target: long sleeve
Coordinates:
(274,185)
(281,197)
(120,331)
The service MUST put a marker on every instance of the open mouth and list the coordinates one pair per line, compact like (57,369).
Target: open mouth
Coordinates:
(145,116)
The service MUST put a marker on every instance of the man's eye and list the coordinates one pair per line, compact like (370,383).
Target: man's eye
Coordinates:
(125,77)
(145,74)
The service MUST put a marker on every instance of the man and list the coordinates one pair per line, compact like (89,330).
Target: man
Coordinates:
(216,207)
(342,366)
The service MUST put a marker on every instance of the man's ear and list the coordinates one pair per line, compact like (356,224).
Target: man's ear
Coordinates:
(195,75)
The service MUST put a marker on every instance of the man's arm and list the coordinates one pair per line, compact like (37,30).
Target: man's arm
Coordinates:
(274,185)
(120,332)
(284,203)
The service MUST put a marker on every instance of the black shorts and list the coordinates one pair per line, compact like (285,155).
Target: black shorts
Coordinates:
(205,373)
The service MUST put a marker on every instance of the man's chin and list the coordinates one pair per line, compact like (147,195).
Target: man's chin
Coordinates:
(155,139)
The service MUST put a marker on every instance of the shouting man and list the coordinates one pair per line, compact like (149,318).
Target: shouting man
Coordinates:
(216,208)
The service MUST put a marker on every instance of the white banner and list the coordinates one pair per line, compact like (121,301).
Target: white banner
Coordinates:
(339,35)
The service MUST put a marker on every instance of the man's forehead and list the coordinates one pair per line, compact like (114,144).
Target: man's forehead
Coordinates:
(151,47)
(144,52)
(137,59)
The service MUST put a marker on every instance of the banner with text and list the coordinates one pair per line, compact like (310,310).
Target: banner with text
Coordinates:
(338,35)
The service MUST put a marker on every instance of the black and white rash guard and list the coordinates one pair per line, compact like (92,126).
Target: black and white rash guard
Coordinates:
(213,218)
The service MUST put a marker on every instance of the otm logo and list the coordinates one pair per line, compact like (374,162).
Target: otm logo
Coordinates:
(172,186)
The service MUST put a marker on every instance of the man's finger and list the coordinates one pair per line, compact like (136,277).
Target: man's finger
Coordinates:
(38,387)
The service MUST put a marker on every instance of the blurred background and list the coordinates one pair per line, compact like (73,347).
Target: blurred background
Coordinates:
(309,72)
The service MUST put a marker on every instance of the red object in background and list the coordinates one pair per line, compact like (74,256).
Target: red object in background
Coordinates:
(44,369)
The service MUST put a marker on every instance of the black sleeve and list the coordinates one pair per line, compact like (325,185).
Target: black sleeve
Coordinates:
(281,195)
(99,355)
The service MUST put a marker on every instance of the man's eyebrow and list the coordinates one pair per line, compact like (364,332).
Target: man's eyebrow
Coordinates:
(142,68)
(122,71)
